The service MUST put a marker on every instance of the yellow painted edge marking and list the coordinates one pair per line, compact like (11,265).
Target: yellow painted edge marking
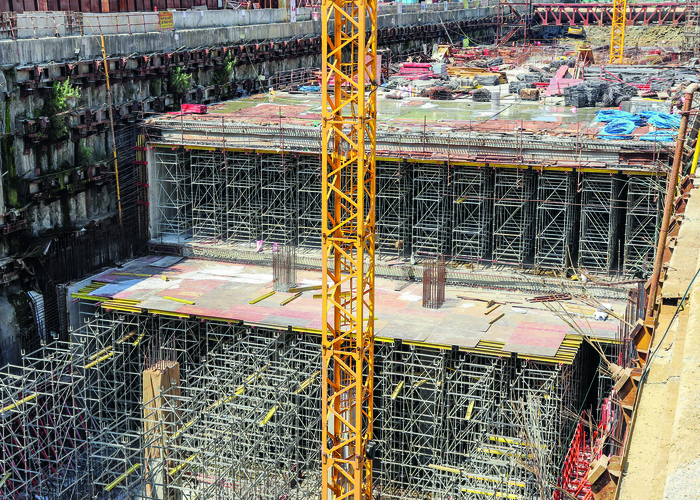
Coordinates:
(179,300)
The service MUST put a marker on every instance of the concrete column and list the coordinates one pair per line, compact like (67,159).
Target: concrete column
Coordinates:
(161,394)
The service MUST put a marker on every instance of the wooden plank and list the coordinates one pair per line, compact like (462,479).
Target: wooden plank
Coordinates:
(29,6)
(18,6)
(114,5)
(139,5)
(42,5)
(131,5)
(5,5)
(64,5)
(75,5)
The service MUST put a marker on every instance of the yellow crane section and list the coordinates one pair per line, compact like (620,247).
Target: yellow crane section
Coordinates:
(617,36)
(349,115)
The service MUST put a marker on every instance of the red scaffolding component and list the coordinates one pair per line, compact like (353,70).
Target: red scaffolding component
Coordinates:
(574,476)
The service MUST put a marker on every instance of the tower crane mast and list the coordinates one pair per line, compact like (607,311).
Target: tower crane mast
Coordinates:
(617,35)
(349,84)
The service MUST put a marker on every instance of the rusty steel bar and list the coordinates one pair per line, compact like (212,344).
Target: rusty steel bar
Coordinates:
(670,196)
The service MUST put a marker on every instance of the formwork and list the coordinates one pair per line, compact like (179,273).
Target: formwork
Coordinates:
(241,417)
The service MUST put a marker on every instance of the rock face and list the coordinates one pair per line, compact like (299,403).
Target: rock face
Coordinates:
(10,344)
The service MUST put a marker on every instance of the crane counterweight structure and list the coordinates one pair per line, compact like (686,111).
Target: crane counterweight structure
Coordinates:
(349,115)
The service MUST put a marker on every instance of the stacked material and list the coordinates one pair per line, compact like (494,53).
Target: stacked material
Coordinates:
(516,87)
(530,94)
(439,93)
(439,68)
(586,94)
(532,77)
(495,62)
(488,79)
(415,71)
(481,95)
(618,92)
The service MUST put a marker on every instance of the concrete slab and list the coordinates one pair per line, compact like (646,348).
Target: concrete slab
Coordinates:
(224,291)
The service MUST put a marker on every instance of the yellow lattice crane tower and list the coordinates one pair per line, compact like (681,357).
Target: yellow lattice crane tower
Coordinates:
(617,36)
(348,175)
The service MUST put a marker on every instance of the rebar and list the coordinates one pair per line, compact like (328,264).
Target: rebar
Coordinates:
(284,270)
(434,283)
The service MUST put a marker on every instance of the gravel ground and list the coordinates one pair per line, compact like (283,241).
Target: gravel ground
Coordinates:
(644,36)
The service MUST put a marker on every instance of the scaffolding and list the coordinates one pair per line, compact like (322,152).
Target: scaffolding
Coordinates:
(430,222)
(393,210)
(598,238)
(549,219)
(243,198)
(645,202)
(472,209)
(173,200)
(309,201)
(514,215)
(278,198)
(237,415)
(556,220)
(208,195)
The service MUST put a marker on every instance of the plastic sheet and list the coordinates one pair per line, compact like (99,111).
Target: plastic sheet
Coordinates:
(661,120)
(658,136)
(609,115)
(618,129)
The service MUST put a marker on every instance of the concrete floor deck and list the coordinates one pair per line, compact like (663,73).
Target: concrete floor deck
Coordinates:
(223,291)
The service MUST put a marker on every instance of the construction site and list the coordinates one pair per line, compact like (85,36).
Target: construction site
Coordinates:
(349,250)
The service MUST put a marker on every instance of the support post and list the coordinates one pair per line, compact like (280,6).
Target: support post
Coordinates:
(670,196)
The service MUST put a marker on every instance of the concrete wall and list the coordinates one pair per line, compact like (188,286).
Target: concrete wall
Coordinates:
(35,25)
(40,51)
(43,50)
